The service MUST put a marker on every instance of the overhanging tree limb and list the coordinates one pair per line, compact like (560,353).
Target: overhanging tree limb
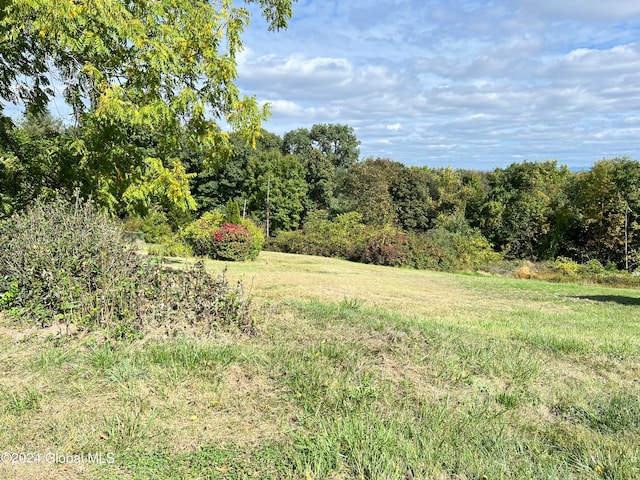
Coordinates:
(165,66)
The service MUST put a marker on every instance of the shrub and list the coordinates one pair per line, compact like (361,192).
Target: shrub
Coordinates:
(193,298)
(198,233)
(611,267)
(344,237)
(565,270)
(132,223)
(230,242)
(67,262)
(464,246)
(473,250)
(431,251)
(172,248)
(566,266)
(593,267)
(232,213)
(347,235)
(389,247)
(442,249)
(210,236)
(155,226)
(453,245)
(63,257)
(295,241)
(257,238)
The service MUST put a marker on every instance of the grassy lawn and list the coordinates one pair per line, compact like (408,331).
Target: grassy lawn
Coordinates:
(356,371)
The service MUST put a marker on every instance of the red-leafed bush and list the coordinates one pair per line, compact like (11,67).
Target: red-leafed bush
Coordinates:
(209,236)
(230,242)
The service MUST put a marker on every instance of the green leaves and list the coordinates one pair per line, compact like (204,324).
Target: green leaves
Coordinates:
(127,68)
(276,12)
(278,180)
(607,201)
(522,212)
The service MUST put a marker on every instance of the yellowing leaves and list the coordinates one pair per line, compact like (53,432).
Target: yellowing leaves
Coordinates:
(75,10)
(125,64)
(171,182)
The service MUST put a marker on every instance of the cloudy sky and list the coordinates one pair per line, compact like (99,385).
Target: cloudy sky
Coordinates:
(466,83)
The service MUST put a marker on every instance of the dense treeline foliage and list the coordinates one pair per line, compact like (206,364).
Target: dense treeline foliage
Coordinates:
(317,197)
(528,210)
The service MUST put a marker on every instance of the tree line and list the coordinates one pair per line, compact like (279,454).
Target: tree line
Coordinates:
(528,210)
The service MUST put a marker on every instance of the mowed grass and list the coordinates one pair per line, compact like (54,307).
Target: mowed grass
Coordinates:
(356,371)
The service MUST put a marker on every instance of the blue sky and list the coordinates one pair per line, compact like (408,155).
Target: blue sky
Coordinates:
(462,83)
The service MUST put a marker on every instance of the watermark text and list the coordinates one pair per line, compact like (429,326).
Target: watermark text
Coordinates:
(24,458)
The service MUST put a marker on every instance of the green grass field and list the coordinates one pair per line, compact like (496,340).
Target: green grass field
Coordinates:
(357,371)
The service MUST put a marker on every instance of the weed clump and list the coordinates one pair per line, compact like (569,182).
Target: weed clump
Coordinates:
(65,262)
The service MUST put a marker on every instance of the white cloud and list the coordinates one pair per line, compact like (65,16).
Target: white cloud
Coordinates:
(620,59)
(320,77)
(287,108)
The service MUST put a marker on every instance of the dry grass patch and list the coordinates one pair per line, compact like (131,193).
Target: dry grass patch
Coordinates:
(276,277)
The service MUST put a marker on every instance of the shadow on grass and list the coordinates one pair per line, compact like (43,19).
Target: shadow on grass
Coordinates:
(620,299)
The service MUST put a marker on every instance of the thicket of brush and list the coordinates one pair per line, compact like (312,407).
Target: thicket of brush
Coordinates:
(66,262)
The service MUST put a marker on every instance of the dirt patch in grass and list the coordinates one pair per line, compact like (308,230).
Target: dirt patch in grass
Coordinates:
(52,332)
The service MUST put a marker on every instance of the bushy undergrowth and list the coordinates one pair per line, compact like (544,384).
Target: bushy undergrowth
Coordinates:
(342,237)
(198,232)
(173,247)
(220,235)
(257,238)
(388,247)
(155,226)
(156,231)
(66,262)
(444,248)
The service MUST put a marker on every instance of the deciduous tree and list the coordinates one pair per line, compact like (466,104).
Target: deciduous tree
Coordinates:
(128,68)
(520,214)
(367,188)
(607,199)
(338,143)
(279,180)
